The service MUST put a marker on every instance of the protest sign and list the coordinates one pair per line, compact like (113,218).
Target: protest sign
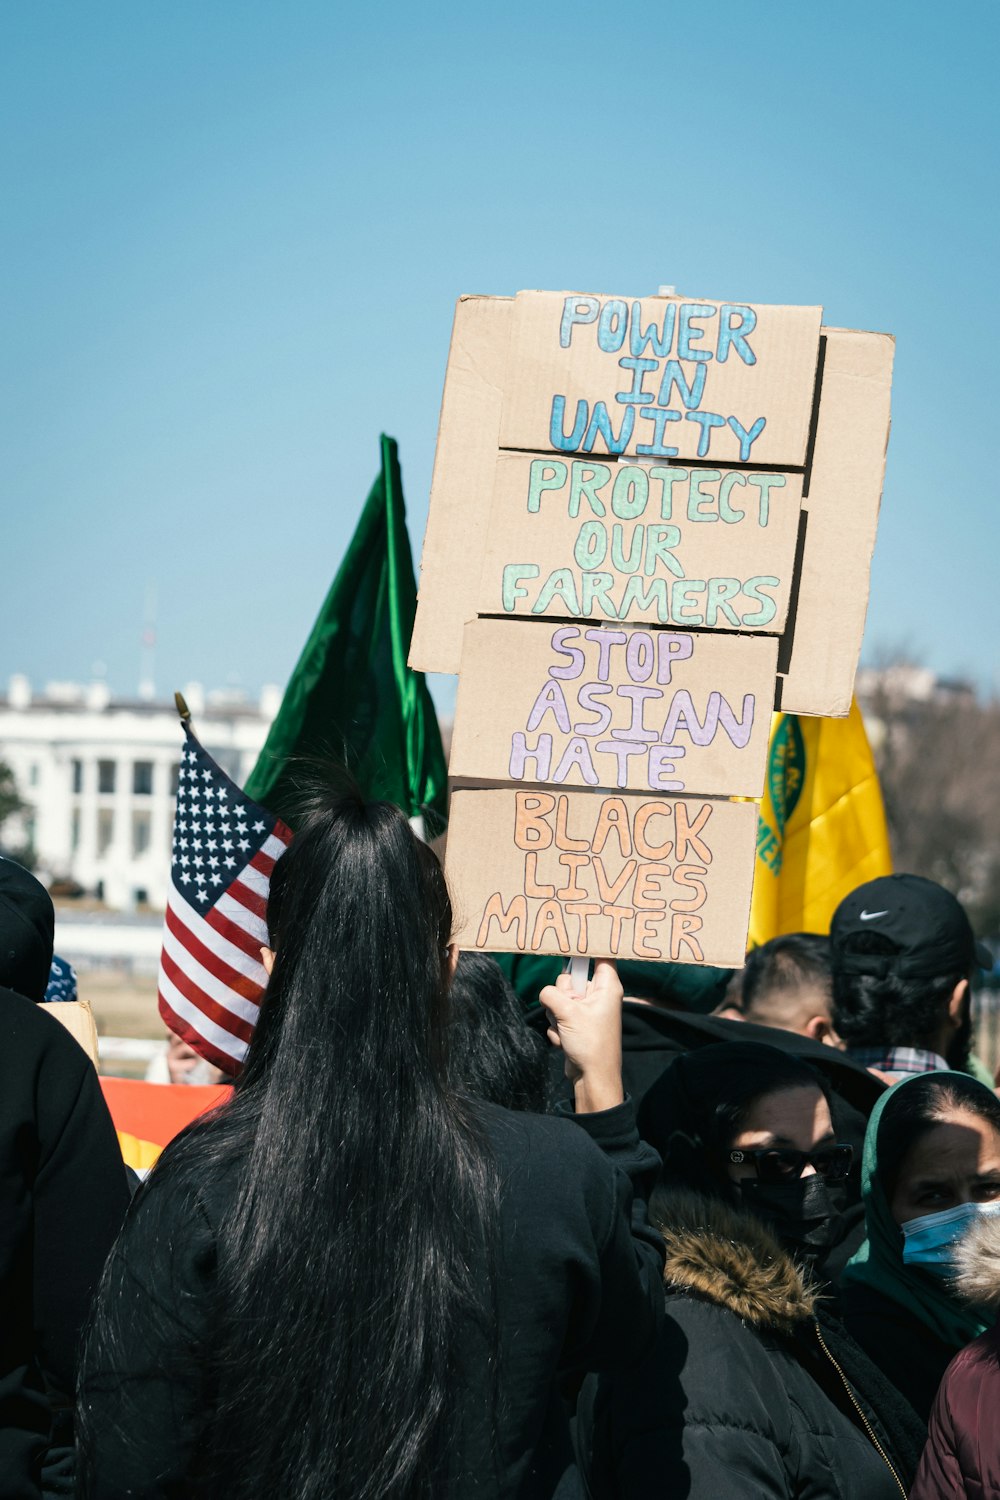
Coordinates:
(462,484)
(822,644)
(651,522)
(618,875)
(669,544)
(660,377)
(648,710)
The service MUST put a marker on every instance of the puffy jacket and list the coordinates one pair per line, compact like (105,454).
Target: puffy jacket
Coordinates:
(752,1389)
(962,1456)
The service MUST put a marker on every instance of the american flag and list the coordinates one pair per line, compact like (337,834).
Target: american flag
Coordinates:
(224,849)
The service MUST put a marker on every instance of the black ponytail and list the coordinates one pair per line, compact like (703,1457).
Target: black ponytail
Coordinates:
(368,1199)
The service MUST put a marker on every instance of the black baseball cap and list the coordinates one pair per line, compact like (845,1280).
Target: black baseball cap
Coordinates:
(27,921)
(925,923)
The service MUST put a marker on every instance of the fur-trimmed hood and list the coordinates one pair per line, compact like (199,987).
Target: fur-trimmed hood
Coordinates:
(977,1265)
(731,1259)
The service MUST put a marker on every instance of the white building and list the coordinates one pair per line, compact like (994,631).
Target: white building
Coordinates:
(99,776)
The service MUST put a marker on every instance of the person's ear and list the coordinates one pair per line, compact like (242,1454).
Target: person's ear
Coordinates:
(267,957)
(728,1013)
(819,1028)
(958,1003)
(452,950)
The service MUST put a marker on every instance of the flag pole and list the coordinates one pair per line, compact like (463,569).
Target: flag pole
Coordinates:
(183,711)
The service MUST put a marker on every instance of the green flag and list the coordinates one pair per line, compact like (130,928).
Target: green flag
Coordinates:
(351,698)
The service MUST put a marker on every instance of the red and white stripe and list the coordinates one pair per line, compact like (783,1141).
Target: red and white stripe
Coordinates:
(211,977)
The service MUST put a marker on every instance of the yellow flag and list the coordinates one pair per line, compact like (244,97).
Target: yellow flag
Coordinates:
(822,828)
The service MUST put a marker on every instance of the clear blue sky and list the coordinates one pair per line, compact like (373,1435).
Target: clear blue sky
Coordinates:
(233,233)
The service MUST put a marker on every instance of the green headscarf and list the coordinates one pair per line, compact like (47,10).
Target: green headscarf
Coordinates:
(879,1262)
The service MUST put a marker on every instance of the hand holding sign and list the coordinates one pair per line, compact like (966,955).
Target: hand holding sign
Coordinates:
(588,1028)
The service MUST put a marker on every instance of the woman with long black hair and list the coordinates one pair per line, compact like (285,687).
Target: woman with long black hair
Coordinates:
(352,1282)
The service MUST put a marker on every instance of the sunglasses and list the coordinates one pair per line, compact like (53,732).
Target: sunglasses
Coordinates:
(778,1164)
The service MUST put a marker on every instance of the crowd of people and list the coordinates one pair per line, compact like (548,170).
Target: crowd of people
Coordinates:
(678,1233)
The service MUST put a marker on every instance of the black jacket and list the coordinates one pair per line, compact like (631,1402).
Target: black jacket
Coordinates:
(578,1288)
(751,1390)
(63,1195)
(902,1346)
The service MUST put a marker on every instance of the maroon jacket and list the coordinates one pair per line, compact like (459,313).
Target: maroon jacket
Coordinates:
(962,1456)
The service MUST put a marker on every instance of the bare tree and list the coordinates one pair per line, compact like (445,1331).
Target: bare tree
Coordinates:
(939,762)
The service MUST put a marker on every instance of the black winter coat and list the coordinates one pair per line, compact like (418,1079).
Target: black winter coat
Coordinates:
(751,1390)
(63,1195)
(899,1342)
(578,1288)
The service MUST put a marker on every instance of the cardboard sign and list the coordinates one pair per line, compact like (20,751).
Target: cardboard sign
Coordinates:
(672,545)
(823,642)
(660,377)
(462,486)
(614,875)
(645,514)
(647,710)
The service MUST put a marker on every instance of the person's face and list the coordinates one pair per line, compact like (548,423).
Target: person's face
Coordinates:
(797,1118)
(957,1161)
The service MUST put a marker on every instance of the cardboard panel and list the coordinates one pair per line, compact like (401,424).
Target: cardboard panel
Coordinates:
(462,485)
(845,490)
(661,377)
(588,873)
(653,542)
(648,710)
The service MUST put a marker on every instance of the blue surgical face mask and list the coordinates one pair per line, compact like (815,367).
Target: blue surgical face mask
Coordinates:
(930,1240)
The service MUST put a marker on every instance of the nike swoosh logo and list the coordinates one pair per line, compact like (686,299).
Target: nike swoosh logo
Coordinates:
(869,916)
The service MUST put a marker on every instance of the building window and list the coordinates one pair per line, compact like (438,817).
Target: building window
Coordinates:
(105,828)
(175,777)
(142,778)
(140,833)
(74,831)
(77,776)
(105,775)
(33,773)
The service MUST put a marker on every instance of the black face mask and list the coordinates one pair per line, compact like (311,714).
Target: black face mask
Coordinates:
(804,1214)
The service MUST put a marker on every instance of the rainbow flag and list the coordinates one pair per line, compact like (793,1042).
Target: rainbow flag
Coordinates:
(148,1115)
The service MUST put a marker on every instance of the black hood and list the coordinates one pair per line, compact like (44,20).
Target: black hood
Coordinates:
(27,925)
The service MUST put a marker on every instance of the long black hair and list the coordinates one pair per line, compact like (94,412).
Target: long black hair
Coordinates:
(492,1052)
(356,1250)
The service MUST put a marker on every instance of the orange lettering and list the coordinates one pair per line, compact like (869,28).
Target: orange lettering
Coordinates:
(584,910)
(531,886)
(610,890)
(687,833)
(645,934)
(563,839)
(613,818)
(515,913)
(618,914)
(550,919)
(648,889)
(573,862)
(530,828)
(687,875)
(681,930)
(647,811)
